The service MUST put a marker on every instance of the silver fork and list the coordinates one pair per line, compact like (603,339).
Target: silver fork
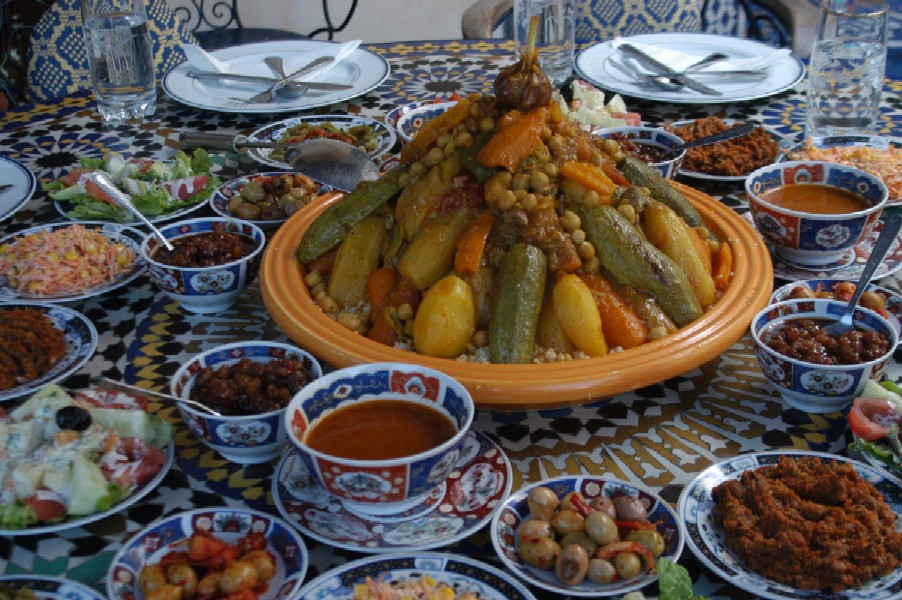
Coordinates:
(292,91)
(267,95)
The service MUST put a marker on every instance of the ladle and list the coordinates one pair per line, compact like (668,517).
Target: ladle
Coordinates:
(103,181)
(332,162)
(884,242)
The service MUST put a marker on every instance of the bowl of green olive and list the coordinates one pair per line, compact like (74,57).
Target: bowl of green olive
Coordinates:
(266,199)
(586,536)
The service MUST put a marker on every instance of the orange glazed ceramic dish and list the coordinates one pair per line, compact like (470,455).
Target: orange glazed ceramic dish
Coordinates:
(534,386)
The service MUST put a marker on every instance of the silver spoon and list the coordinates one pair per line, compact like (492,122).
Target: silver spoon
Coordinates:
(332,162)
(292,91)
(133,389)
(124,200)
(664,81)
(884,241)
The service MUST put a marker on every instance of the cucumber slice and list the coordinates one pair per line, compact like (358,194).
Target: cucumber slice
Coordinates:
(43,404)
(89,486)
(128,423)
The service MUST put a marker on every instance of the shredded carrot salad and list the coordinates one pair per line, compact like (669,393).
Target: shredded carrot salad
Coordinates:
(418,588)
(66,260)
(882,162)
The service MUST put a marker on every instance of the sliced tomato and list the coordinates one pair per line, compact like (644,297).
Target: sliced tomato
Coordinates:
(632,119)
(95,192)
(142,163)
(870,418)
(141,462)
(107,398)
(71,178)
(186,187)
(47,505)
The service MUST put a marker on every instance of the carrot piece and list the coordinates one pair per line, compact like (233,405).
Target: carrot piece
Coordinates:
(515,140)
(379,288)
(323,264)
(471,243)
(621,324)
(387,327)
(590,176)
(723,266)
(434,129)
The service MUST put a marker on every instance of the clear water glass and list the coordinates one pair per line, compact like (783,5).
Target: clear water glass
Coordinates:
(120,59)
(845,75)
(556,36)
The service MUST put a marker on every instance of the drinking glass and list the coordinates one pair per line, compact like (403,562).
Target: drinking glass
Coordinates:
(845,77)
(120,58)
(555,39)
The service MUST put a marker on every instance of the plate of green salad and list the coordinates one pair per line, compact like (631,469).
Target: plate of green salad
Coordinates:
(161,190)
(875,420)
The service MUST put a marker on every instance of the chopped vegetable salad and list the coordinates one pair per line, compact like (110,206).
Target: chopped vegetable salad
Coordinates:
(156,188)
(70,259)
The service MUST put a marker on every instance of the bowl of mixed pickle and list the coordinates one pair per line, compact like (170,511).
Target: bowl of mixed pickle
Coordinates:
(266,199)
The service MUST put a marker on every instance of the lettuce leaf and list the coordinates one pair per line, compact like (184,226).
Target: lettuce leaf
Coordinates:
(674,582)
(115,494)
(16,516)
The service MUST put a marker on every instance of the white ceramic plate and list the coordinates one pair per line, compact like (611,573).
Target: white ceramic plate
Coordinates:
(137,494)
(363,69)
(593,65)
(463,574)
(516,510)
(168,534)
(463,504)
(80,337)
(784,142)
(384,134)
(708,542)
(23,185)
(853,141)
(50,588)
(63,207)
(117,234)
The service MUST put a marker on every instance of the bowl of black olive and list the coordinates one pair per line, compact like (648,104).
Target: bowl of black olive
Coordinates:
(212,261)
(812,369)
(661,149)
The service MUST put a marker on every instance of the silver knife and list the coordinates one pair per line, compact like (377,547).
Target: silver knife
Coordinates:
(267,95)
(662,69)
(5,186)
(313,85)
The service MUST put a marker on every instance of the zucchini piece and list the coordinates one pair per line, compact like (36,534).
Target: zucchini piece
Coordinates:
(517,305)
(633,261)
(640,174)
(468,157)
(332,226)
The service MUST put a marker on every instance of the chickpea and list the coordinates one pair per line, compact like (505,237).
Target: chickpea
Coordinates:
(480,338)
(529,202)
(567,521)
(183,576)
(443,139)
(462,138)
(520,181)
(586,250)
(570,220)
(629,213)
(538,180)
(551,169)
(237,577)
(628,565)
(486,124)
(591,199)
(578,236)
(151,577)
(417,168)
(405,312)
(312,278)
(434,157)
(507,201)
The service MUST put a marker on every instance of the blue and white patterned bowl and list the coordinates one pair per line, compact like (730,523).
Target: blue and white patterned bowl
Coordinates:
(515,511)
(651,136)
(205,289)
(170,534)
(410,121)
(381,486)
(808,239)
(813,387)
(246,439)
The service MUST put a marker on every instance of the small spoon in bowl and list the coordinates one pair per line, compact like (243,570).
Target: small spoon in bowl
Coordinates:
(103,181)
(884,242)
(118,386)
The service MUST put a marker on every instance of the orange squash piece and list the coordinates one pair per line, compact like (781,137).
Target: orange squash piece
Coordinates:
(515,140)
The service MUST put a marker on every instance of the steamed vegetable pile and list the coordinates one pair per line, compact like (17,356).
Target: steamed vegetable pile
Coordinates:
(508,234)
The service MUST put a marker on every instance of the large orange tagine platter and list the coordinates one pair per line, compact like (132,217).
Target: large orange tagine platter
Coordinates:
(534,386)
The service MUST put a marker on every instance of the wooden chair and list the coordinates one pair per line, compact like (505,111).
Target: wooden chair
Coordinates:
(778,22)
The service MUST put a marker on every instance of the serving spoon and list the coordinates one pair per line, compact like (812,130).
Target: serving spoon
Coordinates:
(118,386)
(884,242)
(333,162)
(103,181)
